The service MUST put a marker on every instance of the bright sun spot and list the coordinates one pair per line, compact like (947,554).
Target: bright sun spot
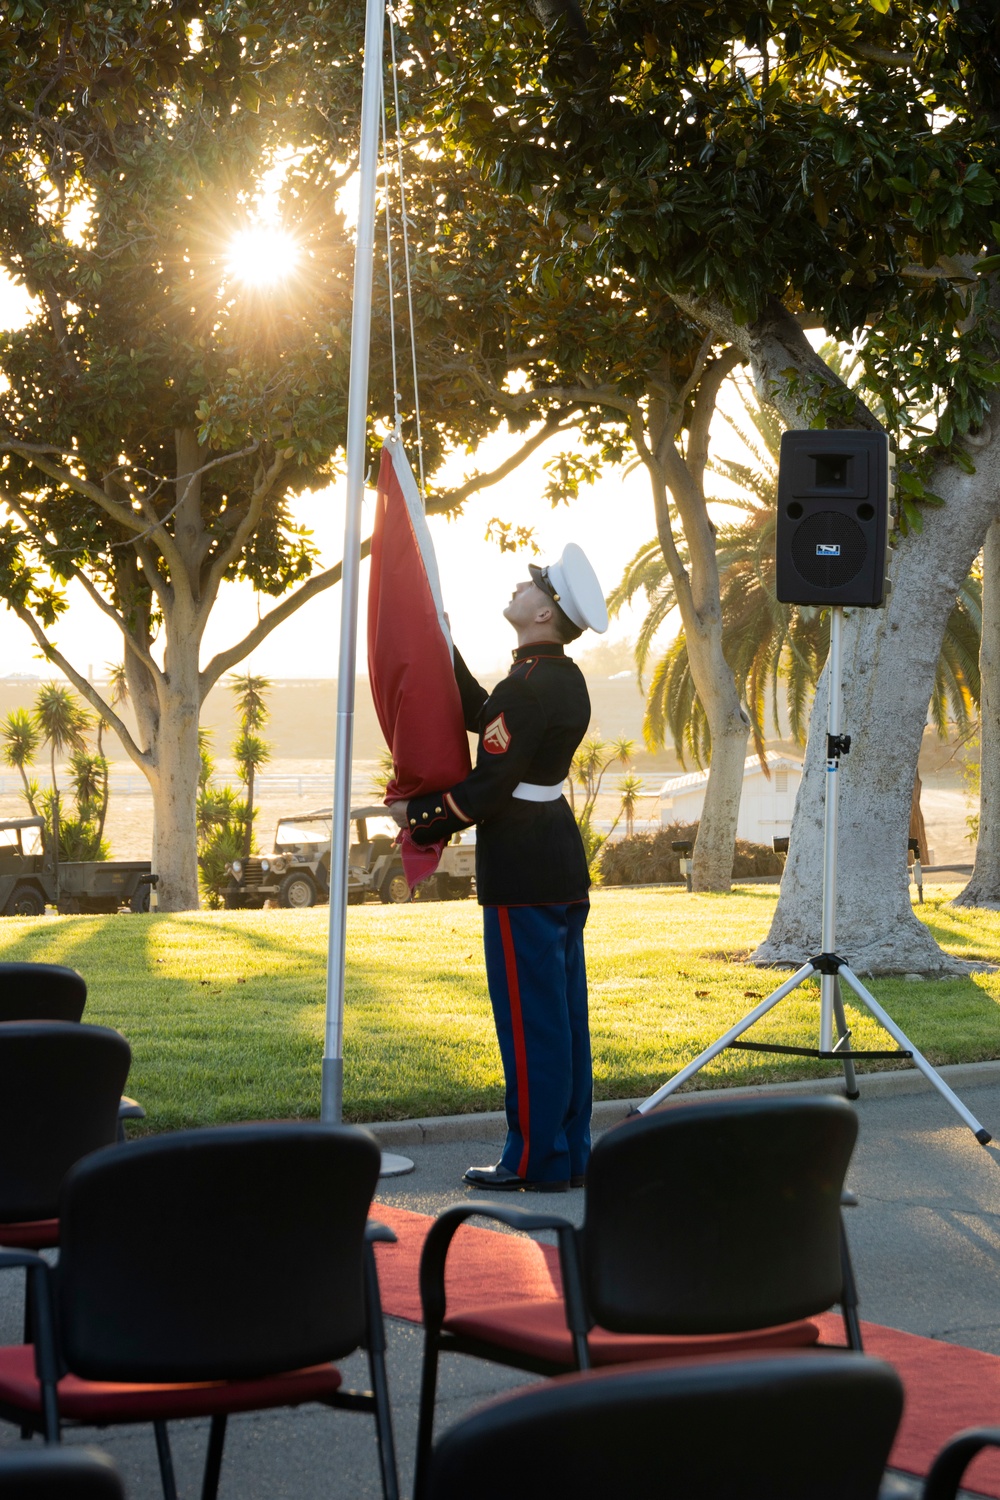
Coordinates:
(261,256)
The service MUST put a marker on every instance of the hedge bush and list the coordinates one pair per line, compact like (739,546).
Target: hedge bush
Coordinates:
(647,858)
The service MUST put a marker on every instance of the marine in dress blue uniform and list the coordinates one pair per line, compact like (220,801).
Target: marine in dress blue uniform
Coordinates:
(531,873)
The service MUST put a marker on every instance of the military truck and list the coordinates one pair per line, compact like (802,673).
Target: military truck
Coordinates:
(297,872)
(31,879)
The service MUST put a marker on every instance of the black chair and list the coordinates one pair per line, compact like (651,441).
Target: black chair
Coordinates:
(204,1273)
(773,1428)
(51,992)
(60,1086)
(710,1226)
(58,1474)
(41,992)
(949,1467)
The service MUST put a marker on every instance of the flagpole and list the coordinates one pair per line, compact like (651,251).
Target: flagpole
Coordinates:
(332,1098)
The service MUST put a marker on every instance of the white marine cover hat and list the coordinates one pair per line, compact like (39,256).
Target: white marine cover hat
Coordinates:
(573,584)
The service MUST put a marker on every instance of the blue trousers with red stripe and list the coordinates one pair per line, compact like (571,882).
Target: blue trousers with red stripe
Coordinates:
(538,988)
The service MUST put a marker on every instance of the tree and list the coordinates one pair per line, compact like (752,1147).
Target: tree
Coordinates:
(630,788)
(158,416)
(62,722)
(118,695)
(250,751)
(983,888)
(769,170)
(81,837)
(221,821)
(22,738)
(591,763)
(777,650)
(630,377)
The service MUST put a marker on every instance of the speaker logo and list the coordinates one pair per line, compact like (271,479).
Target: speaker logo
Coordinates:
(828,549)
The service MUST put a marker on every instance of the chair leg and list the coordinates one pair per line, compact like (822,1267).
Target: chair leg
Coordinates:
(27,1433)
(166,1461)
(375,1344)
(849,1300)
(383,1425)
(425,1423)
(213,1458)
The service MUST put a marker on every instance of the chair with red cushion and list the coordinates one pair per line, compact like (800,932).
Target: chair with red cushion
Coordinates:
(711,1226)
(60,1086)
(204,1273)
(948,1469)
(58,1474)
(771,1428)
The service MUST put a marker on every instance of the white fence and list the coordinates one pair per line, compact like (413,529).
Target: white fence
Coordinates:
(134,784)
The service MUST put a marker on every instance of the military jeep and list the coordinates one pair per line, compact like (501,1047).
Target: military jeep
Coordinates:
(31,878)
(297,873)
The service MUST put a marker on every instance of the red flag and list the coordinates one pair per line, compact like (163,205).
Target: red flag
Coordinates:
(410,654)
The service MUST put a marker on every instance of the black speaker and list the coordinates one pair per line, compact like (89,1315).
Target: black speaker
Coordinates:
(833,518)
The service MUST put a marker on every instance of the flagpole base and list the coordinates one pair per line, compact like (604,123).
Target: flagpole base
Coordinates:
(331,1108)
(395,1166)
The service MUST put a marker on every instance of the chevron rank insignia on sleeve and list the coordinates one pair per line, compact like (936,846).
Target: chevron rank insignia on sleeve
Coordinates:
(496,736)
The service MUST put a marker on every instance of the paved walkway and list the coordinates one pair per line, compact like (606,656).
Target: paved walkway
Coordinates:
(925,1239)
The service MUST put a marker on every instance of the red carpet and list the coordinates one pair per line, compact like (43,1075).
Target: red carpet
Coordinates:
(947,1387)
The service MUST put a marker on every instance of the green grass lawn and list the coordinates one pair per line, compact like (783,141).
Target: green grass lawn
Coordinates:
(225,1010)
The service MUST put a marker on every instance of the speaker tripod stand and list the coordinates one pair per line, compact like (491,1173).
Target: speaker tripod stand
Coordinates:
(831,968)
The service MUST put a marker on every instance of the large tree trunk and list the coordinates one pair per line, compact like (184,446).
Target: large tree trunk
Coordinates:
(697,591)
(983,888)
(889,661)
(174,785)
(712,866)
(918,828)
(712,869)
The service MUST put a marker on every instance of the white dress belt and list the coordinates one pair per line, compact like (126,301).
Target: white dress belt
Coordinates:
(529,791)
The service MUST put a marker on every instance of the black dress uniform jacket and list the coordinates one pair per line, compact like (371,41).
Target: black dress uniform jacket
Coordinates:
(529,727)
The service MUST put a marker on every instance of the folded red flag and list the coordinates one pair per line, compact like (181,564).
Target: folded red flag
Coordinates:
(410,654)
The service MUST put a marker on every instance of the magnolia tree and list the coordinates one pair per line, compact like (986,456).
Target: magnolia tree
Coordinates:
(770,171)
(164,405)
(983,888)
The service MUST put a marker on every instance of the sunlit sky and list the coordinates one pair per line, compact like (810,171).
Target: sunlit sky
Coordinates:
(610,521)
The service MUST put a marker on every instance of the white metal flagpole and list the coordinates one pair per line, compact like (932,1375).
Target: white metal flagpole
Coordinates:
(331,1107)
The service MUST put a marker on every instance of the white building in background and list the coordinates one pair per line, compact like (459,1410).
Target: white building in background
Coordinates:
(766,804)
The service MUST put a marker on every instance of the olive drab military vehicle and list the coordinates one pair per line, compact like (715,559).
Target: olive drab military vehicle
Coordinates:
(297,872)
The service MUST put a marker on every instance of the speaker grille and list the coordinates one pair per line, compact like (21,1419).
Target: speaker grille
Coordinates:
(829,528)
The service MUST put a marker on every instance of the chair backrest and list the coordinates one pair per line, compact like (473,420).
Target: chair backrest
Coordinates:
(228,1253)
(716,1216)
(41,992)
(60,1086)
(771,1428)
(58,1474)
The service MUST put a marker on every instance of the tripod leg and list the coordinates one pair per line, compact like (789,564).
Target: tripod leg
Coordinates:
(982,1135)
(850,1081)
(689,1070)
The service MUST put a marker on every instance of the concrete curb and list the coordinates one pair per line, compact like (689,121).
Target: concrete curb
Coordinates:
(439,1129)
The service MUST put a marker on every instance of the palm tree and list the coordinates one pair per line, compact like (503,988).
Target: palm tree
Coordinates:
(62,721)
(630,788)
(250,751)
(88,778)
(777,651)
(591,761)
(21,739)
(118,695)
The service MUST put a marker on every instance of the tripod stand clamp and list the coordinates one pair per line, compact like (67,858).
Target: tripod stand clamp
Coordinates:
(837,745)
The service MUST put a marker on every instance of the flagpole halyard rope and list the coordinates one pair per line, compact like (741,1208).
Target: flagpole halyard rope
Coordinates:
(397,419)
(406,248)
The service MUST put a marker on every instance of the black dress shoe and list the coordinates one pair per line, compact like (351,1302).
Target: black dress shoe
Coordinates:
(578,1180)
(503,1179)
